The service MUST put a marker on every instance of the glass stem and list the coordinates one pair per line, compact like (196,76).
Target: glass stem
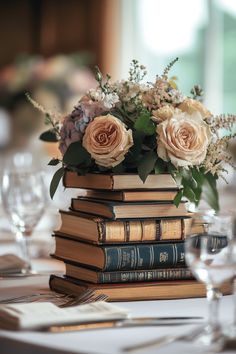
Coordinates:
(23,242)
(213,297)
(234,299)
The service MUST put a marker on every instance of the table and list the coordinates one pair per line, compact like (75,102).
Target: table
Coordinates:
(104,341)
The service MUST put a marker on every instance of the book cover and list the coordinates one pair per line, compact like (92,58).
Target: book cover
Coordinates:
(134,210)
(175,289)
(77,271)
(121,257)
(101,230)
(117,182)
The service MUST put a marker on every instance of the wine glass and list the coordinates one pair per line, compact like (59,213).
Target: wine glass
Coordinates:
(24,200)
(210,255)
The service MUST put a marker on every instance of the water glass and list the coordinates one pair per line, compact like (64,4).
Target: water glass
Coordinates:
(24,200)
(211,257)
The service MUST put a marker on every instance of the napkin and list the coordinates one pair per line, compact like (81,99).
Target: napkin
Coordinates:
(10,263)
(43,315)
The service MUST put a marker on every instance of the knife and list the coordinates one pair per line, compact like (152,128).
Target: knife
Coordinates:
(127,323)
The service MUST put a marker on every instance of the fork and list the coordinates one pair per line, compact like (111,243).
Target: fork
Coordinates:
(61,300)
(164,340)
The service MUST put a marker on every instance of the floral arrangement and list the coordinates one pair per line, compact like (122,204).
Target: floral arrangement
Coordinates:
(136,127)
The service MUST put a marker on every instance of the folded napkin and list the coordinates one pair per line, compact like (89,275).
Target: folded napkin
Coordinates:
(10,263)
(43,315)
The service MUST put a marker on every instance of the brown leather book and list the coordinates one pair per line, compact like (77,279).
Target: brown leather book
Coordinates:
(131,210)
(100,230)
(175,289)
(121,257)
(93,276)
(117,182)
(132,196)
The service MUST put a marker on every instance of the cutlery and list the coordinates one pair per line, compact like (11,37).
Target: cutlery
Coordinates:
(30,273)
(61,300)
(128,323)
(164,340)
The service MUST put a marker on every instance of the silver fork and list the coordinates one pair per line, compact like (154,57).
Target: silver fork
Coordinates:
(61,300)
(164,340)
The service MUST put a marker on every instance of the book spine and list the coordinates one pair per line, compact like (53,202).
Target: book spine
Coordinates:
(145,275)
(146,256)
(127,230)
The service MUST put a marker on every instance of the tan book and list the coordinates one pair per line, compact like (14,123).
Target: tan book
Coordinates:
(93,276)
(134,210)
(99,230)
(175,289)
(117,182)
(133,196)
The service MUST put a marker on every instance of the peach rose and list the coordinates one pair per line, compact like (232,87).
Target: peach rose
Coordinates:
(163,113)
(190,106)
(107,140)
(183,139)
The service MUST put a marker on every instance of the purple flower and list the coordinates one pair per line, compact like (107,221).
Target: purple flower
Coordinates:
(69,134)
(74,125)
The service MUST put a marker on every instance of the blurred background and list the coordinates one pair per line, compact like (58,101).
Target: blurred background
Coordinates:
(49,49)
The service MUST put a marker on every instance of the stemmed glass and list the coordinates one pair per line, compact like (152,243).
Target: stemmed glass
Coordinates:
(210,256)
(24,200)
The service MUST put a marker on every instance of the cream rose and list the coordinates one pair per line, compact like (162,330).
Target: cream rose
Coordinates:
(191,106)
(183,139)
(163,113)
(107,140)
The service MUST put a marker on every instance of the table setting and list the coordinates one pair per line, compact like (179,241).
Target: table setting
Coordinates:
(131,267)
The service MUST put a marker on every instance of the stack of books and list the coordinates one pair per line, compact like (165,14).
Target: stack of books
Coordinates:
(124,239)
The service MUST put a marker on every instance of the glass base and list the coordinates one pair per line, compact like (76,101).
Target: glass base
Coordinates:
(210,336)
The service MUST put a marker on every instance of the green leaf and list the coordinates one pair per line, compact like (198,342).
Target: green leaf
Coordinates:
(55,181)
(198,175)
(209,192)
(54,162)
(76,155)
(189,193)
(160,166)
(138,138)
(171,168)
(49,136)
(118,169)
(178,198)
(146,165)
(145,124)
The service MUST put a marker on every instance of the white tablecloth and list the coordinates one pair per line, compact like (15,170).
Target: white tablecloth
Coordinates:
(105,341)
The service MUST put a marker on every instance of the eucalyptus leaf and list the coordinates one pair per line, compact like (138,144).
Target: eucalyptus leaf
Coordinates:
(49,136)
(55,181)
(147,164)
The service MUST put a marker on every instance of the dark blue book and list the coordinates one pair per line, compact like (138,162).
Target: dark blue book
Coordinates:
(121,257)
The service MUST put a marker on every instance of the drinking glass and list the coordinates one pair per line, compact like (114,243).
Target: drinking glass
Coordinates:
(210,256)
(24,200)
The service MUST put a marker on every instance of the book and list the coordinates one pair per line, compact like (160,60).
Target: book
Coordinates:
(42,316)
(117,182)
(121,257)
(133,196)
(134,210)
(90,275)
(175,289)
(101,230)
